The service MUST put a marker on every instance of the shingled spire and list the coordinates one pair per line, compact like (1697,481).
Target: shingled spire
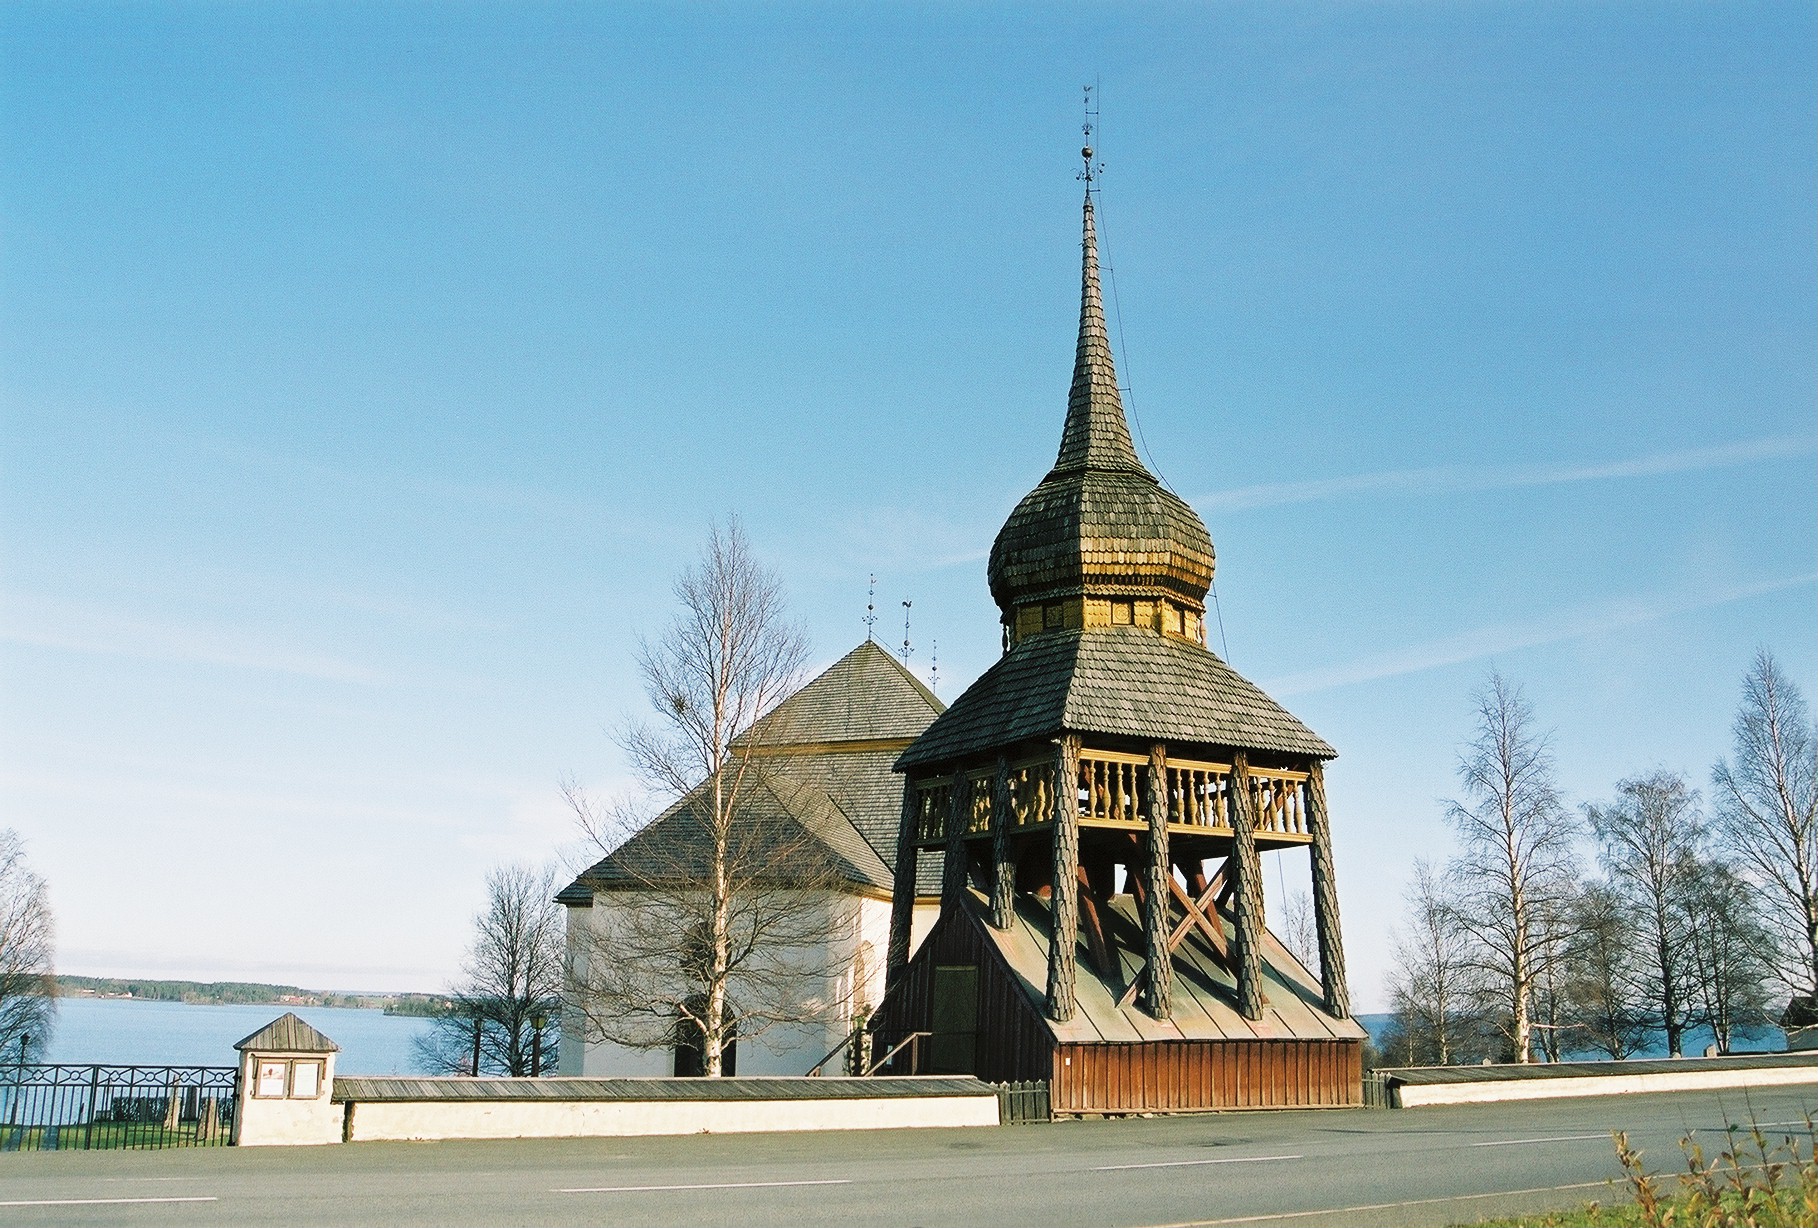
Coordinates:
(1099,525)
(1096,435)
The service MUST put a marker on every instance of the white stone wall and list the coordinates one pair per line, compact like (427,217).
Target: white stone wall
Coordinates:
(450,1119)
(1418,1095)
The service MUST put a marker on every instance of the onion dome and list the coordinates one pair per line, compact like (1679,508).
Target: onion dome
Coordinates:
(1100,541)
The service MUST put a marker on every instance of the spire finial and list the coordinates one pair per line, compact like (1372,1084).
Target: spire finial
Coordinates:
(906,649)
(1090,172)
(1096,435)
(871,608)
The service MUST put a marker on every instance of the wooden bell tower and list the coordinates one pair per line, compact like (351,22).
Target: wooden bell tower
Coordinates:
(1100,798)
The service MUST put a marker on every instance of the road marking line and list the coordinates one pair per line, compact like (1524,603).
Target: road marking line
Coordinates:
(721,1185)
(96,1202)
(1116,1168)
(1556,1138)
(1386,1206)
(1765,1125)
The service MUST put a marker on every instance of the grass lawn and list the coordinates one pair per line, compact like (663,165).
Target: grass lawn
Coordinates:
(108,1136)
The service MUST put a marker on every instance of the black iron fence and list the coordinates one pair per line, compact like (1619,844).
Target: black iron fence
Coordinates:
(79,1108)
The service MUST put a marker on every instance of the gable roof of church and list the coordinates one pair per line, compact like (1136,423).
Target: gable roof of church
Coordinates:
(822,760)
(867,695)
(779,811)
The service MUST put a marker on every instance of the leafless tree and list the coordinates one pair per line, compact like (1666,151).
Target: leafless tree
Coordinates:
(1298,930)
(1602,985)
(28,989)
(1430,988)
(720,919)
(505,1015)
(1649,840)
(1767,811)
(1514,872)
(1553,1023)
(1729,954)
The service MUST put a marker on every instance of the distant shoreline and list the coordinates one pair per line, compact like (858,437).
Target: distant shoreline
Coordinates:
(244,993)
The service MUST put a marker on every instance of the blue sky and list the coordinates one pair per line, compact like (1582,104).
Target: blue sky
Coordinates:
(368,372)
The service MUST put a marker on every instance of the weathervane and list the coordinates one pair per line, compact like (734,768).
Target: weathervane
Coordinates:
(1092,168)
(907,651)
(870,618)
(934,667)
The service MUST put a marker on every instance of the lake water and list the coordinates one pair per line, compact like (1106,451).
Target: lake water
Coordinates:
(140,1032)
(1762,1040)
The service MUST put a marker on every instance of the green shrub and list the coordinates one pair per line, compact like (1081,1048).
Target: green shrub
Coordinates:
(1753,1182)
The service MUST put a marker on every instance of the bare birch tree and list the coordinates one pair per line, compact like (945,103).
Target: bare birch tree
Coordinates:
(1429,987)
(1514,871)
(1602,985)
(721,918)
(1767,811)
(28,989)
(1299,933)
(1649,840)
(505,1014)
(1729,953)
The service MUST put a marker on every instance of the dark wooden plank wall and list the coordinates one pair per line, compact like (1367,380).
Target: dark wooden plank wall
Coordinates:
(1188,1076)
(1013,1043)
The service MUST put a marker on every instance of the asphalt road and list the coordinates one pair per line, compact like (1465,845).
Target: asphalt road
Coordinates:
(1352,1167)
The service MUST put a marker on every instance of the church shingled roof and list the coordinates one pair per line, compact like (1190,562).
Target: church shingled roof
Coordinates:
(823,759)
(867,695)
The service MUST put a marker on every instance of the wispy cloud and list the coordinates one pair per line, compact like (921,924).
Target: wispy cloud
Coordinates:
(1448,479)
(615,516)
(76,629)
(1479,643)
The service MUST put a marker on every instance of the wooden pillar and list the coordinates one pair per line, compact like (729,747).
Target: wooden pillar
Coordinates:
(1003,876)
(1063,903)
(1158,993)
(1246,899)
(959,815)
(902,894)
(1325,898)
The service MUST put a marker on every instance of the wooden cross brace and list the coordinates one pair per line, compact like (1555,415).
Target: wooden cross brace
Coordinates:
(1197,918)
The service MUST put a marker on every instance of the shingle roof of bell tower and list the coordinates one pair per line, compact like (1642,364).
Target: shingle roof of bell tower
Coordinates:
(1099,523)
(1096,435)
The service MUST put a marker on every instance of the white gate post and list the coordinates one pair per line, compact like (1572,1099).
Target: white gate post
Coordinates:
(286,1086)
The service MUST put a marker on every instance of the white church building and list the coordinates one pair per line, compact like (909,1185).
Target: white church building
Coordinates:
(827,784)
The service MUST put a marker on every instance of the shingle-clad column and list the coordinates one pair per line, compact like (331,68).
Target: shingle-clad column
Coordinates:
(1158,993)
(1246,896)
(1325,898)
(959,814)
(1063,929)
(902,894)
(1003,880)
